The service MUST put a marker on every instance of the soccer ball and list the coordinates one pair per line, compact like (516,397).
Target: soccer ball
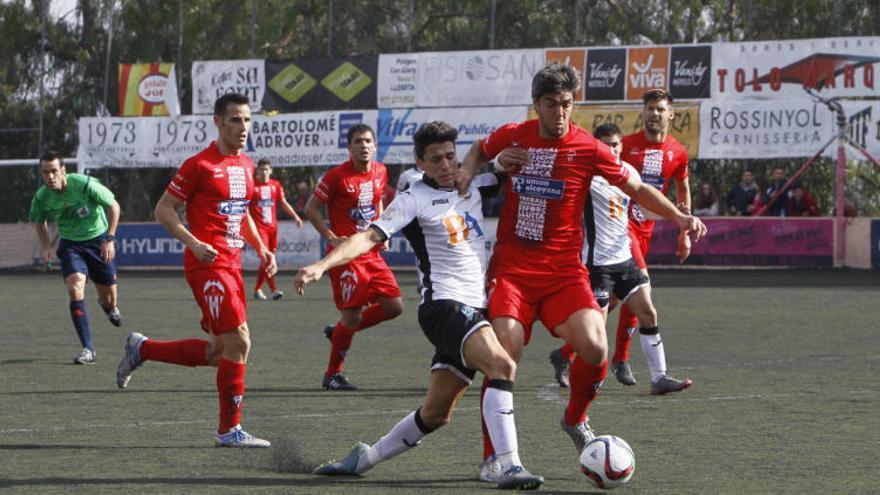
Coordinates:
(608,461)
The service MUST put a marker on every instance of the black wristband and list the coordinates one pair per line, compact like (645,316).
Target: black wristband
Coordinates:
(109,237)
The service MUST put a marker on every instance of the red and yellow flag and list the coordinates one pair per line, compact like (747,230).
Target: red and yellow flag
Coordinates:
(148,89)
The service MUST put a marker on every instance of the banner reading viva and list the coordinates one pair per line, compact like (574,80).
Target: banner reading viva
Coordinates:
(148,89)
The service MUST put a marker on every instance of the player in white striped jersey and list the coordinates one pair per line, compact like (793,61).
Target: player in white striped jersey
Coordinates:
(445,230)
(614,275)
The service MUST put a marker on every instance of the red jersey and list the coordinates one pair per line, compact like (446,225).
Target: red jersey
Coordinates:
(217,190)
(264,205)
(352,197)
(657,163)
(540,226)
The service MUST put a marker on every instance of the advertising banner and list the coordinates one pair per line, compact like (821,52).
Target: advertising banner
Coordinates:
(212,79)
(763,129)
(147,245)
(605,74)
(395,128)
(148,89)
(628,117)
(397,80)
(690,71)
(647,67)
(320,84)
(476,78)
(751,242)
(573,57)
(863,119)
(846,67)
(297,247)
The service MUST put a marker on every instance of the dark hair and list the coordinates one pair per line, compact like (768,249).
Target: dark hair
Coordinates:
(264,161)
(48,156)
(431,133)
(229,98)
(555,78)
(657,94)
(606,130)
(359,129)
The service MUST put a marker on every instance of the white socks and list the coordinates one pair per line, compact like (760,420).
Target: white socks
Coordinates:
(498,415)
(406,434)
(652,348)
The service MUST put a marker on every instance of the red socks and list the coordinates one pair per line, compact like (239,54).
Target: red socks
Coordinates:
(623,339)
(189,352)
(585,381)
(566,351)
(230,388)
(339,345)
(371,316)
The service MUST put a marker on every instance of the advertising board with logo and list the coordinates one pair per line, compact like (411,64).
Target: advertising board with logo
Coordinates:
(646,68)
(148,89)
(685,126)
(321,84)
(395,128)
(763,129)
(397,80)
(845,67)
(690,71)
(212,79)
(751,242)
(476,78)
(863,128)
(605,74)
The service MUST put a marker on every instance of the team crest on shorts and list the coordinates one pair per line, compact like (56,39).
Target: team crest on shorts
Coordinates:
(348,282)
(214,292)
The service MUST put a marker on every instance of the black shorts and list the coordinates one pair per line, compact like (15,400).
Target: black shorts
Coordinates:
(447,324)
(622,280)
(85,257)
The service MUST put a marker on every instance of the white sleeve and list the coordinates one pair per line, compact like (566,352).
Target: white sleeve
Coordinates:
(398,214)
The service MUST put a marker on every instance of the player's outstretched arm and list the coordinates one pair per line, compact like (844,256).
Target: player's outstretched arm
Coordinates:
(346,251)
(166,214)
(291,212)
(251,235)
(652,199)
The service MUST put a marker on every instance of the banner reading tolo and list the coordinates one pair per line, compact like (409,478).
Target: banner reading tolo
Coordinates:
(476,78)
(763,129)
(628,117)
(395,128)
(863,119)
(212,79)
(782,69)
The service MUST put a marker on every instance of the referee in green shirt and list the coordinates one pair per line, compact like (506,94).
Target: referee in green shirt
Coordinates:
(87,215)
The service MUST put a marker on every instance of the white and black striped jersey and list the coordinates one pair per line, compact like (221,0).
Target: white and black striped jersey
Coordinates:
(606,223)
(446,232)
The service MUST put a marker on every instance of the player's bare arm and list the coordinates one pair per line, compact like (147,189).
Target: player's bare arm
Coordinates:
(43,235)
(469,166)
(291,212)
(166,214)
(108,250)
(250,234)
(345,252)
(510,159)
(683,195)
(314,206)
(653,200)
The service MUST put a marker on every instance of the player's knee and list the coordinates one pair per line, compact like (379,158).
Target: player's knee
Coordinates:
(435,418)
(393,308)
(648,317)
(502,367)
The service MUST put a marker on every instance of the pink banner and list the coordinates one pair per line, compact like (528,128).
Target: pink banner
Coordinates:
(751,241)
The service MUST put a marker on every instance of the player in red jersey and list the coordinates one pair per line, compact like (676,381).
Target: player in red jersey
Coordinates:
(659,158)
(365,291)
(536,270)
(216,186)
(268,194)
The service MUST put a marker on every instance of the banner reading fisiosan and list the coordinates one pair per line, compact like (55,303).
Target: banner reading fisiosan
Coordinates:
(763,129)
(300,139)
(452,79)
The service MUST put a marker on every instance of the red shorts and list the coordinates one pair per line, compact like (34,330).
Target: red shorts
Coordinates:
(362,281)
(270,238)
(639,246)
(219,292)
(551,297)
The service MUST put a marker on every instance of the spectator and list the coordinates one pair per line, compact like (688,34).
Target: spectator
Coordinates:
(706,201)
(780,206)
(741,199)
(801,203)
(302,197)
